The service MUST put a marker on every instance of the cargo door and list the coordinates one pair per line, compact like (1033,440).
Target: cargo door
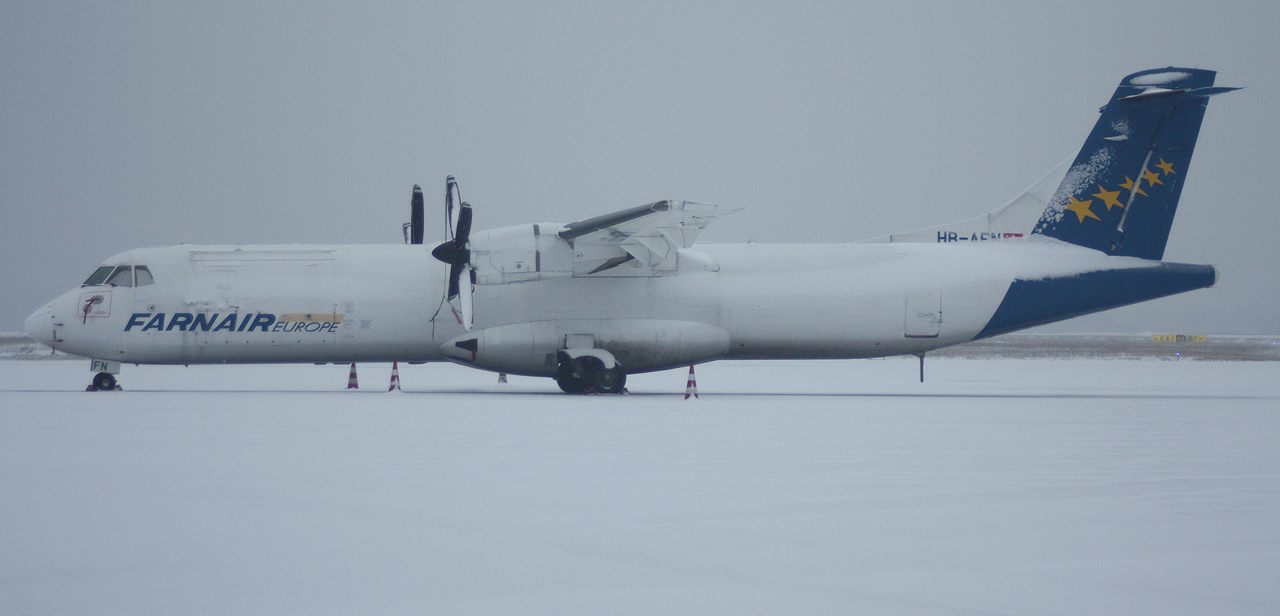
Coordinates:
(923,314)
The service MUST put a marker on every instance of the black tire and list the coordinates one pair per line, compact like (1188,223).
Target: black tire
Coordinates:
(568,386)
(607,380)
(104,381)
(587,375)
(572,376)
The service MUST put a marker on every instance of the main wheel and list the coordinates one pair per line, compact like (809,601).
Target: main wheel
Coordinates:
(587,375)
(607,380)
(573,376)
(568,386)
(104,381)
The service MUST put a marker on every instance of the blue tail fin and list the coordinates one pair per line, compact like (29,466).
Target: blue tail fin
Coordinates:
(1120,194)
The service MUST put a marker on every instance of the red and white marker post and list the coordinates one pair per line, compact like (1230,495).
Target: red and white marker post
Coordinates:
(395,377)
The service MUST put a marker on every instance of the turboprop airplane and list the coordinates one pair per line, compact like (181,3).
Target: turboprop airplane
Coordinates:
(588,302)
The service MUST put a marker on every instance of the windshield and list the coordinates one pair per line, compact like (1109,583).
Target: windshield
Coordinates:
(123,277)
(99,276)
(143,275)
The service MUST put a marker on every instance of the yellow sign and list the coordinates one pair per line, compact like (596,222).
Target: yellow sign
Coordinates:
(1177,338)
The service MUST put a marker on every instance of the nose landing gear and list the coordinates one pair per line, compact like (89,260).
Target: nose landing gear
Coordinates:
(104,381)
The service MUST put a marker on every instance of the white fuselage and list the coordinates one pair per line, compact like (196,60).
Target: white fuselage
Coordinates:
(299,303)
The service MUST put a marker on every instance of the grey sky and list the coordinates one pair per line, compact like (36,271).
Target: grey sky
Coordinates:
(139,124)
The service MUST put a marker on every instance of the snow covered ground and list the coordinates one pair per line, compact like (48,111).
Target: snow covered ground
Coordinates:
(834,487)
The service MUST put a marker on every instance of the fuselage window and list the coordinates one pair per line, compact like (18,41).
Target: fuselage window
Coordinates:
(142,274)
(98,276)
(122,277)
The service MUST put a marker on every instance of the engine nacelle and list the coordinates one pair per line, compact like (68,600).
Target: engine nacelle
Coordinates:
(520,254)
(638,345)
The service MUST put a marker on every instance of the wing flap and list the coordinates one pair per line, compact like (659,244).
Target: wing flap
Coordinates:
(651,234)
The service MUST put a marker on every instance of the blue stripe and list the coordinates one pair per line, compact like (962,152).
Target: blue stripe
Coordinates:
(1035,302)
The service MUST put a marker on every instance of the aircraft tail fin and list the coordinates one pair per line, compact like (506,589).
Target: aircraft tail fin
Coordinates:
(1121,192)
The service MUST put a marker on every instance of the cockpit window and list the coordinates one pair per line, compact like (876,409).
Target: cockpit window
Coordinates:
(142,274)
(99,276)
(122,277)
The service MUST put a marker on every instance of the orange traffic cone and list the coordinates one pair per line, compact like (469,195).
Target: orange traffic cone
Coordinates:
(691,389)
(395,377)
(351,380)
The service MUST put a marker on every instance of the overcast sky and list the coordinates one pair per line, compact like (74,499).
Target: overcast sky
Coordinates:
(131,124)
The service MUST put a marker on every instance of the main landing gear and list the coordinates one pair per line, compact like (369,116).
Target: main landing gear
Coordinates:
(587,374)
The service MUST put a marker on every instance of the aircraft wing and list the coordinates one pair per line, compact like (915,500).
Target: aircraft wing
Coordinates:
(650,234)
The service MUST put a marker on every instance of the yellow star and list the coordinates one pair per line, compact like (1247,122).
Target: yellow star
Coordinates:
(1108,197)
(1152,178)
(1167,168)
(1081,208)
(1128,185)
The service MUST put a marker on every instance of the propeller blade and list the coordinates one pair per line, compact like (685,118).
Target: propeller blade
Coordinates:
(466,301)
(449,183)
(416,216)
(464,226)
(455,273)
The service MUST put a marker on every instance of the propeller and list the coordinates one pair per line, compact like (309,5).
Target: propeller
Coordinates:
(457,253)
(413,228)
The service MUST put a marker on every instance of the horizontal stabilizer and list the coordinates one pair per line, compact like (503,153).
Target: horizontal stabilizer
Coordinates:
(1163,95)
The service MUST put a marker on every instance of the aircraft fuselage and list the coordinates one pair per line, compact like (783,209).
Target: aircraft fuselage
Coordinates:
(299,303)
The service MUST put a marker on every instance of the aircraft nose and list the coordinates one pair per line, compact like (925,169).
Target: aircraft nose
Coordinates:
(40,325)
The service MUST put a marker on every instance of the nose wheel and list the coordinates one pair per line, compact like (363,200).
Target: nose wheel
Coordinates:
(104,381)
